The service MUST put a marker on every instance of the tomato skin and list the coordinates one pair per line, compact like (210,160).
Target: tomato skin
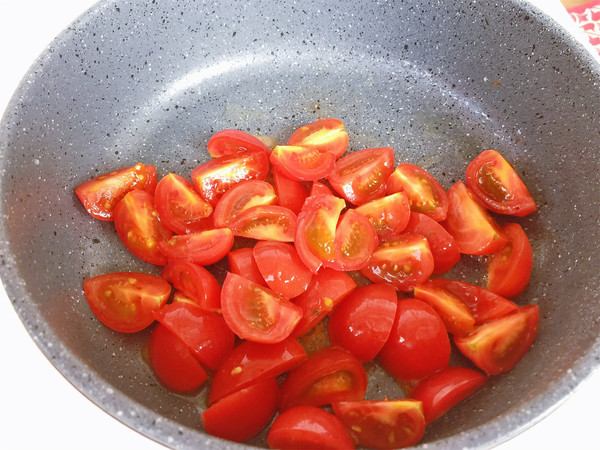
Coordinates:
(173,364)
(498,186)
(101,194)
(326,135)
(355,241)
(229,142)
(240,197)
(265,222)
(440,391)
(241,262)
(302,163)
(389,215)
(318,188)
(509,269)
(382,423)
(204,247)
(305,427)
(361,176)
(243,414)
(363,321)
(418,344)
(195,282)
(139,227)
(498,345)
(126,301)
(290,193)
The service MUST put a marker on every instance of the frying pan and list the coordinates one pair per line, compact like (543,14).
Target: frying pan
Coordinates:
(438,82)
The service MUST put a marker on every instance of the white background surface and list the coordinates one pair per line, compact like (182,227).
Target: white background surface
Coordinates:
(39,409)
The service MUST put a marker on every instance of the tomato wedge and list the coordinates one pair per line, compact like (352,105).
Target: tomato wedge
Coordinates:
(290,193)
(241,197)
(265,222)
(361,176)
(100,195)
(355,242)
(126,301)
(302,163)
(389,215)
(498,186)
(204,247)
(241,262)
(195,282)
(229,142)
(318,188)
(326,135)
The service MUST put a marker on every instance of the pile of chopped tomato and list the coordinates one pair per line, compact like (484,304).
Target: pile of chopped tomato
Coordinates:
(340,265)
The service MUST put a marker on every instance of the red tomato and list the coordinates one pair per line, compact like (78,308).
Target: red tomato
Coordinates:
(418,344)
(100,195)
(195,282)
(257,313)
(441,243)
(475,231)
(179,206)
(302,163)
(240,197)
(267,222)
(229,142)
(139,227)
(205,333)
(355,242)
(329,375)
(173,364)
(498,186)
(290,193)
(382,423)
(403,263)
(250,362)
(326,135)
(308,427)
(444,389)
(126,301)
(498,345)
(363,321)
(241,262)
(326,290)
(389,215)
(510,267)
(361,176)
(213,178)
(425,194)
(319,188)
(282,268)
(243,414)
(204,247)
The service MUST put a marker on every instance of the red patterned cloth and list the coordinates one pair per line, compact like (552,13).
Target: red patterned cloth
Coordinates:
(587,17)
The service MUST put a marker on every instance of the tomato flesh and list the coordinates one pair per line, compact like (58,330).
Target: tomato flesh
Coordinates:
(389,215)
(204,247)
(266,222)
(290,193)
(326,135)
(354,243)
(302,163)
(195,282)
(241,197)
(229,142)
(241,262)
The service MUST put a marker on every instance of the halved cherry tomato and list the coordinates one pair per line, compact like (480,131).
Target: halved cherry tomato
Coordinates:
(204,247)
(290,193)
(213,178)
(243,414)
(389,215)
(509,269)
(139,227)
(355,241)
(425,194)
(242,196)
(241,262)
(361,176)
(418,344)
(179,206)
(266,222)
(329,375)
(403,263)
(498,186)
(257,313)
(326,135)
(444,389)
(281,267)
(250,362)
(126,301)
(363,321)
(228,142)
(498,345)
(173,363)
(382,423)
(308,427)
(195,282)
(319,188)
(475,231)
(302,163)
(100,195)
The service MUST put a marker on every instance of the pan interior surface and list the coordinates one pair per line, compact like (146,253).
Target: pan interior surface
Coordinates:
(439,81)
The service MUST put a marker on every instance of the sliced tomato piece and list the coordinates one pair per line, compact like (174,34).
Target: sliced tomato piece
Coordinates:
(241,197)
(290,193)
(389,215)
(326,135)
(475,231)
(319,188)
(361,176)
(195,282)
(204,247)
(257,313)
(139,227)
(229,142)
(383,423)
(266,222)
(355,242)
(404,263)
(425,194)
(498,345)
(100,195)
(509,269)
(126,301)
(241,262)
(498,186)
(302,163)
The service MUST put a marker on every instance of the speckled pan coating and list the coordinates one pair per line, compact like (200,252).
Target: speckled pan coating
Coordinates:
(439,81)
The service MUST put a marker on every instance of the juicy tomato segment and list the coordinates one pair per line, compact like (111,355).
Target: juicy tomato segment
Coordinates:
(241,197)
(389,215)
(290,193)
(326,135)
(229,142)
(126,301)
(100,195)
(241,262)
(204,247)
(319,188)
(197,283)
(266,222)
(354,243)
(302,163)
